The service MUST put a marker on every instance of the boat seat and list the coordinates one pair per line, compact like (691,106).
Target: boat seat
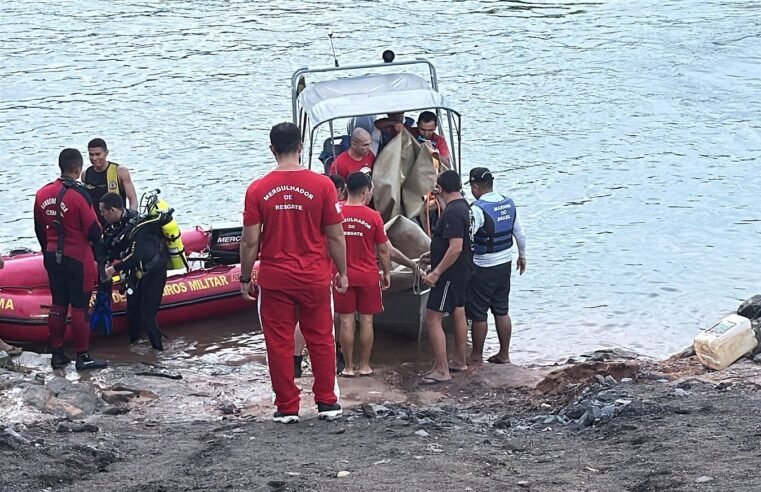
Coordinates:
(331,148)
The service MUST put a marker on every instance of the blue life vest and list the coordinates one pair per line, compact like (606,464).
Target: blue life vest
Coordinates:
(497,232)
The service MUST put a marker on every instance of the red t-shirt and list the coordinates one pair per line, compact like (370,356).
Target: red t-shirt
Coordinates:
(80,224)
(437,140)
(363,229)
(294,208)
(344,164)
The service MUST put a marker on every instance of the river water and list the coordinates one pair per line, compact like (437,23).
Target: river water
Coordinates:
(627,132)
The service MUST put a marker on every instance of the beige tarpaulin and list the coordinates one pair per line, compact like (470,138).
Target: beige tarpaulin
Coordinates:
(407,236)
(402,174)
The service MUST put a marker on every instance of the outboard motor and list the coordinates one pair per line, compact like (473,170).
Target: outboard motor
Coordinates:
(224,246)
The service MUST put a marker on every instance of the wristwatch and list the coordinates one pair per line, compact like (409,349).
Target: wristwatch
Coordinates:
(244,280)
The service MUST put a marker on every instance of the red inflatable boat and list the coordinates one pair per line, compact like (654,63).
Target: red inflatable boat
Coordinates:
(200,293)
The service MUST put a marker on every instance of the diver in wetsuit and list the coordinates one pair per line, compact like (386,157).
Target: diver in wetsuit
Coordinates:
(140,246)
(66,227)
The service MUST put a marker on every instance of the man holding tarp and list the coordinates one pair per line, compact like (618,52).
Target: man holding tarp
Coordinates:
(451,266)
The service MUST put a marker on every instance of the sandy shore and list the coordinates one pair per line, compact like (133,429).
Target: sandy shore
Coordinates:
(607,422)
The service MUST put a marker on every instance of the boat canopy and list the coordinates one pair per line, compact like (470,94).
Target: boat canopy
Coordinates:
(368,95)
(376,90)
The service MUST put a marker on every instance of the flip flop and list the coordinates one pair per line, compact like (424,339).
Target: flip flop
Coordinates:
(495,360)
(342,375)
(431,381)
(367,374)
(455,369)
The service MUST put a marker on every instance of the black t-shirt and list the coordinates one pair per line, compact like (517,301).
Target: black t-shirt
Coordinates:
(453,223)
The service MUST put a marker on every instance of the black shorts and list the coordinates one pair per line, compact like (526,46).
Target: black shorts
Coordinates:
(70,281)
(447,295)
(489,288)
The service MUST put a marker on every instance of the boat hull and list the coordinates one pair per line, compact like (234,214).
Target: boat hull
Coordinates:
(25,297)
(212,292)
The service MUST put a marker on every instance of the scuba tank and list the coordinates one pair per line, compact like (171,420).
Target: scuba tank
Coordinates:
(152,206)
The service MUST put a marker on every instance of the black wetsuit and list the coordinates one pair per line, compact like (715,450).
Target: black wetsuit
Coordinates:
(144,259)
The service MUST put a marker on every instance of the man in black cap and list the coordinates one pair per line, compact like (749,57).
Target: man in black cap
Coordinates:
(451,266)
(495,225)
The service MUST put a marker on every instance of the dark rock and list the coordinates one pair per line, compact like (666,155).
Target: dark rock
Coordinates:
(610,380)
(114,397)
(751,308)
(723,386)
(587,419)
(515,446)
(229,409)
(76,427)
(126,387)
(160,374)
(58,384)
(35,395)
(757,359)
(574,411)
(503,423)
(610,354)
(593,413)
(115,410)
(277,485)
(369,411)
(685,353)
(608,412)
(82,396)
(686,384)
(140,393)
(432,412)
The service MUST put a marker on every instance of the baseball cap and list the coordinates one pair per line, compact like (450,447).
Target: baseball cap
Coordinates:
(480,175)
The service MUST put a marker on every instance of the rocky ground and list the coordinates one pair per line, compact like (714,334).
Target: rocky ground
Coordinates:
(605,422)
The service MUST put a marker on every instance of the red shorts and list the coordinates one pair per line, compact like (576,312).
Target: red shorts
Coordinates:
(365,299)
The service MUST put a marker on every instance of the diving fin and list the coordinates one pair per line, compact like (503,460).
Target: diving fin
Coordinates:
(101,317)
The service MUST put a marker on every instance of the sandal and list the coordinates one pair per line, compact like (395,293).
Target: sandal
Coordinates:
(496,360)
(428,380)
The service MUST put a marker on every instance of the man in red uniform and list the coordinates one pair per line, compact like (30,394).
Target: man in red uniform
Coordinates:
(425,133)
(358,157)
(66,226)
(291,212)
(363,230)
